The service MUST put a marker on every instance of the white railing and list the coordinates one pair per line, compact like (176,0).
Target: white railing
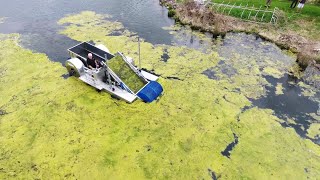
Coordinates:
(248,13)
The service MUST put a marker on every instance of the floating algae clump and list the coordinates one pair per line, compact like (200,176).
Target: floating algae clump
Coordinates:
(94,21)
(279,89)
(63,129)
(314,130)
(126,74)
(272,72)
(245,62)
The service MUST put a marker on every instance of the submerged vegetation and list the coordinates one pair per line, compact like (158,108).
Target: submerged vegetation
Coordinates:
(63,129)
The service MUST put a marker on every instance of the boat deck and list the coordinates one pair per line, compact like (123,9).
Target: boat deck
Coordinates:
(120,93)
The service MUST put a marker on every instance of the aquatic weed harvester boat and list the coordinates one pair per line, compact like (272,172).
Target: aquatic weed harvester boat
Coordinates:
(118,75)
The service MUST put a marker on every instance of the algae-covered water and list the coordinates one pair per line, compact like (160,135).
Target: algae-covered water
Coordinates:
(231,107)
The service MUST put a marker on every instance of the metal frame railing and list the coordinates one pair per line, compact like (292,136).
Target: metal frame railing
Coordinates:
(253,12)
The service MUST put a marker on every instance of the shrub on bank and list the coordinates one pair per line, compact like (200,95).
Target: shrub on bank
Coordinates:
(171,12)
(304,58)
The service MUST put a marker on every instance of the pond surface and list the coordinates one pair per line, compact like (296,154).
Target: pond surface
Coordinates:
(239,71)
(275,65)
(36,21)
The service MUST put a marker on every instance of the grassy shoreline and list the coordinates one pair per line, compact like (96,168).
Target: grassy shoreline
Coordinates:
(288,34)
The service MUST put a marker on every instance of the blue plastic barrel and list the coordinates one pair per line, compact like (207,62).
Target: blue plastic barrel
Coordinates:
(150,92)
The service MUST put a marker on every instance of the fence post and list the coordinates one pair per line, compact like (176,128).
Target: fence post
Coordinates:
(225,6)
(264,12)
(255,16)
(272,17)
(220,5)
(231,8)
(250,11)
(243,11)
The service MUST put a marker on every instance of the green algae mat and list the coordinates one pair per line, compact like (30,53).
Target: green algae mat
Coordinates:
(126,74)
(55,128)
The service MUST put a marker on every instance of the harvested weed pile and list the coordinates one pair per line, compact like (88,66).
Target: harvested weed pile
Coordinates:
(126,74)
